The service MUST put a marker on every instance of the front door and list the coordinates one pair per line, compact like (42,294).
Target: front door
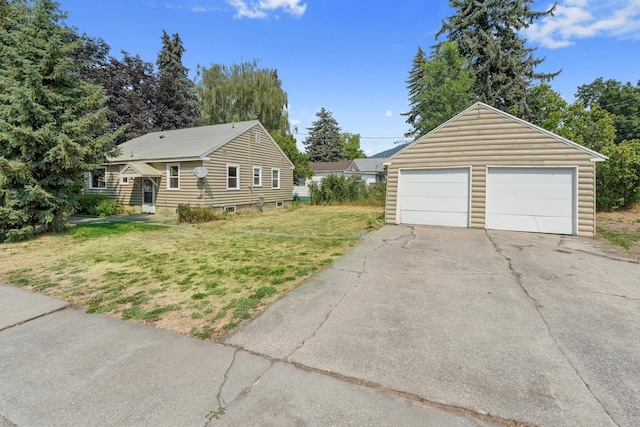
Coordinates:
(148,196)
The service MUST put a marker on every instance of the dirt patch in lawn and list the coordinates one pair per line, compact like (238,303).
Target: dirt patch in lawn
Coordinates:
(203,280)
(622,228)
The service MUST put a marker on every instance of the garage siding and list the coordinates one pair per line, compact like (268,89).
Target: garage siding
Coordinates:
(482,138)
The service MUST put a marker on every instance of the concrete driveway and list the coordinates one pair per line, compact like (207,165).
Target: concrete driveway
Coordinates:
(536,329)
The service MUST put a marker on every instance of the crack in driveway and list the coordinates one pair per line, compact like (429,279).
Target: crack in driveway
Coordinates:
(518,277)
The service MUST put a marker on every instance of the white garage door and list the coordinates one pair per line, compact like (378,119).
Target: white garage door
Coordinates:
(434,197)
(531,199)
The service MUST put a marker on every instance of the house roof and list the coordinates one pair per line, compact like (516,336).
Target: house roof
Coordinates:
(331,166)
(191,143)
(597,157)
(139,170)
(373,165)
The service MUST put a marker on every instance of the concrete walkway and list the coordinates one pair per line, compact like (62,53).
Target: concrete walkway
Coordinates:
(62,367)
(416,326)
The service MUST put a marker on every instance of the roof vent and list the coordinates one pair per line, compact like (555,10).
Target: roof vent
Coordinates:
(162,136)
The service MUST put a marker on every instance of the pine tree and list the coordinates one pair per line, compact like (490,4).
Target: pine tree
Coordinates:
(324,143)
(414,85)
(53,125)
(487,33)
(176,100)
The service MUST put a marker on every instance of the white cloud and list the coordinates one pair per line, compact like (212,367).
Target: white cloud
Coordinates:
(389,113)
(578,19)
(261,8)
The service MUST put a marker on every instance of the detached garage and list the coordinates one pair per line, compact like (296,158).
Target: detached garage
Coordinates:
(485,168)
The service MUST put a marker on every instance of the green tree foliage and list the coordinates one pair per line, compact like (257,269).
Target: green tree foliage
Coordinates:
(618,183)
(621,100)
(130,85)
(414,86)
(594,128)
(300,160)
(487,33)
(53,125)
(176,99)
(351,146)
(546,108)
(324,143)
(446,89)
(243,92)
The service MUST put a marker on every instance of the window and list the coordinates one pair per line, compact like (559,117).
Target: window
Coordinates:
(233,177)
(279,205)
(275,178)
(173,176)
(229,209)
(257,137)
(99,178)
(124,180)
(257,176)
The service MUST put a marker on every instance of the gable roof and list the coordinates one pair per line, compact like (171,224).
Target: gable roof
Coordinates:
(331,166)
(597,157)
(371,164)
(181,144)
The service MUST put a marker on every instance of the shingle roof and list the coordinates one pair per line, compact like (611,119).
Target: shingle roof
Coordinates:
(181,143)
(369,165)
(330,166)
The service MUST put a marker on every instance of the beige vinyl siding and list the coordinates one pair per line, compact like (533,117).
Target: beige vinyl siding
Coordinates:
(246,153)
(482,138)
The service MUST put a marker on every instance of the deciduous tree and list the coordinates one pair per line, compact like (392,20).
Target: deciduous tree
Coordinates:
(243,92)
(351,146)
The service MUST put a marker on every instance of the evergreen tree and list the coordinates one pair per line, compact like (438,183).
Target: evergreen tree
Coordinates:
(351,146)
(176,100)
(414,86)
(487,33)
(53,125)
(445,90)
(323,143)
(243,92)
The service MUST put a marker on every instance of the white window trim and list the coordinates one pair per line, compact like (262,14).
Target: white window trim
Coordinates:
(105,179)
(253,176)
(279,205)
(231,165)
(169,166)
(272,170)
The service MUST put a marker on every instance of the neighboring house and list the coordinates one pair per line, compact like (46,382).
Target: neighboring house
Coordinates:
(485,168)
(368,170)
(229,167)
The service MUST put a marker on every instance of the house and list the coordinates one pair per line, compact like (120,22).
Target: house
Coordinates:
(368,170)
(228,167)
(485,168)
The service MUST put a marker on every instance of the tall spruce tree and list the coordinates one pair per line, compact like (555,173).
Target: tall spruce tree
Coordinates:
(176,100)
(414,86)
(53,125)
(487,33)
(324,143)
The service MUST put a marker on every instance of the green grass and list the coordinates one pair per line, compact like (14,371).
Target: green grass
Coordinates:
(624,240)
(205,280)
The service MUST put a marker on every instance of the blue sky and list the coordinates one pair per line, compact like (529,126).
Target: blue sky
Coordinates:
(352,56)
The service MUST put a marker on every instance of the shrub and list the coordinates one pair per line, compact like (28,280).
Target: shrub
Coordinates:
(336,189)
(99,204)
(195,214)
(618,179)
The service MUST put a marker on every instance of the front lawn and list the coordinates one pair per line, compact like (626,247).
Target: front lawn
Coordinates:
(202,280)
